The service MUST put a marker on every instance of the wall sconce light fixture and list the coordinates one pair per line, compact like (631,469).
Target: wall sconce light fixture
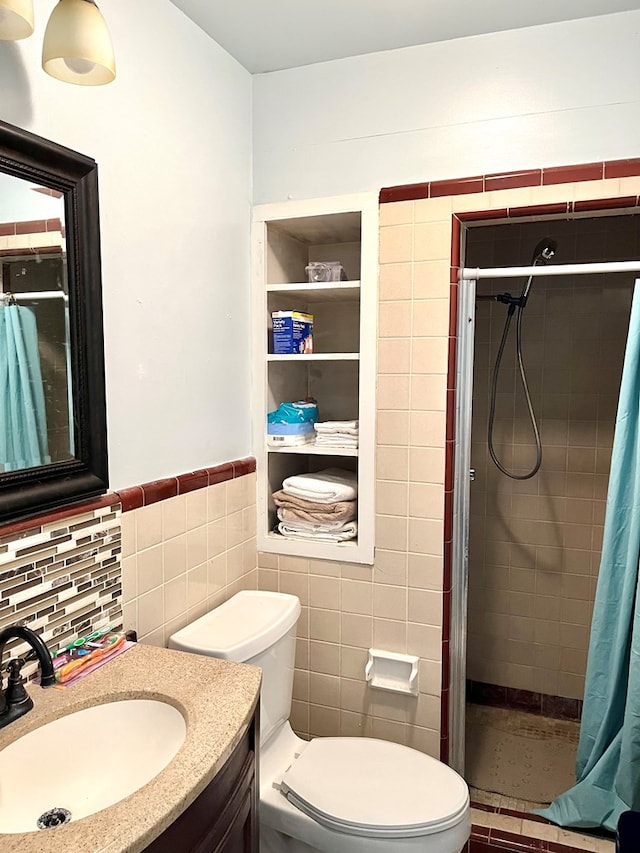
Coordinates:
(77,46)
(16,19)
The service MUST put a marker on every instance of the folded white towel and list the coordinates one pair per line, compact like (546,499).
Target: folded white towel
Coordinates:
(304,526)
(328,486)
(343,427)
(336,441)
(350,531)
(336,424)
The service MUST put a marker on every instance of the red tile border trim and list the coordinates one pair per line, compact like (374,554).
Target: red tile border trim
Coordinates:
(457,186)
(135,497)
(573,174)
(485,807)
(48,191)
(491,213)
(131,498)
(561,207)
(622,168)
(456,231)
(160,490)
(33,226)
(194,480)
(607,203)
(406,192)
(487,839)
(513,180)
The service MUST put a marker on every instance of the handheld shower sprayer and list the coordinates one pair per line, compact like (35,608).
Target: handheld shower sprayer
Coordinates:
(542,254)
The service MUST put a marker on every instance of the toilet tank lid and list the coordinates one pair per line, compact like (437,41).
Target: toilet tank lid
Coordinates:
(241,628)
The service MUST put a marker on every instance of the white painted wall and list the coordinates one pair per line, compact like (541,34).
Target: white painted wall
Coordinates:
(544,96)
(172,138)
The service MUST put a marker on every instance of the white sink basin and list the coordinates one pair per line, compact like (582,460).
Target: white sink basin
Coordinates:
(86,761)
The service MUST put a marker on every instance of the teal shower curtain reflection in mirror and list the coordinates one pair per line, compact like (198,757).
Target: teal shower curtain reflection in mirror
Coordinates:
(23,431)
(608,761)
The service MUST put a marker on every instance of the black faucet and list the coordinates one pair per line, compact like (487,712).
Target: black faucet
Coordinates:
(15,701)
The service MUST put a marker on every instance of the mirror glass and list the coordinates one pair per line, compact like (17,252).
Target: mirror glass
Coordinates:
(35,348)
(53,448)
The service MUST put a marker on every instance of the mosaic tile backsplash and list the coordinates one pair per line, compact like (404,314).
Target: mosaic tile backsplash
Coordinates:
(62,577)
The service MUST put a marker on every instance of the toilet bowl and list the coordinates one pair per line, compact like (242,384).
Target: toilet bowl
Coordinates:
(337,795)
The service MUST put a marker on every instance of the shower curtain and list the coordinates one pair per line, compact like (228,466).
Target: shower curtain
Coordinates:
(608,760)
(23,427)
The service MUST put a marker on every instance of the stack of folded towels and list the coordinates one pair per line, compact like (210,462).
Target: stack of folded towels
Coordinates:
(318,507)
(336,433)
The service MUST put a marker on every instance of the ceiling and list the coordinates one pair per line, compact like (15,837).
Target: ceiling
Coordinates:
(269,35)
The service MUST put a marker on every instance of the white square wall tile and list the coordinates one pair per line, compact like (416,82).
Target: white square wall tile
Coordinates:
(148,526)
(432,241)
(396,244)
(150,611)
(196,508)
(174,516)
(396,213)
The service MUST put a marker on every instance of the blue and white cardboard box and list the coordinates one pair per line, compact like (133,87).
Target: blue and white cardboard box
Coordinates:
(292,332)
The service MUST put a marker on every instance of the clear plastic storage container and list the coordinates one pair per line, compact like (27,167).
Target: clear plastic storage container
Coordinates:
(325,271)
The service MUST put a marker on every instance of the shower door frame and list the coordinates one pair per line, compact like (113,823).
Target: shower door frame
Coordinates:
(465,344)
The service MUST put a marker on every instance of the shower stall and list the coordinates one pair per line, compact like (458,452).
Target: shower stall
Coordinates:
(36,283)
(543,356)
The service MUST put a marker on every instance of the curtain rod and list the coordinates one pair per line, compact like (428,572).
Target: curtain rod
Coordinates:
(36,294)
(473,274)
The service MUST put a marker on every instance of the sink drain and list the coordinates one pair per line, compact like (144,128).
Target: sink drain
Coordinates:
(54,817)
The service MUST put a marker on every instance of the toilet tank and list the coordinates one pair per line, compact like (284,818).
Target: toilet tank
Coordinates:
(252,627)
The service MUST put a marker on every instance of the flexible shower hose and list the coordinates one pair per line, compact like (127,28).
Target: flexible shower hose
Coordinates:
(525,386)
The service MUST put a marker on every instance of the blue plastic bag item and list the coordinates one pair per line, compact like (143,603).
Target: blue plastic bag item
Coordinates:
(294,413)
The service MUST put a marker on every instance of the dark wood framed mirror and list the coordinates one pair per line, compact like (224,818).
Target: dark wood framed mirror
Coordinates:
(53,440)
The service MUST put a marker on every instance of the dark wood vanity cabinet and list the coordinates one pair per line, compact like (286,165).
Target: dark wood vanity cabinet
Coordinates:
(224,817)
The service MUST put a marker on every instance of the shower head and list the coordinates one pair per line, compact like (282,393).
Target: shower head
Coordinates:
(542,254)
(544,251)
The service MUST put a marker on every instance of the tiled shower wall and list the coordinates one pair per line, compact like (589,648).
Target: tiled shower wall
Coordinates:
(534,548)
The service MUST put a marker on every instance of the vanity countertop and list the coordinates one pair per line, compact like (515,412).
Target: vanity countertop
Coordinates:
(217,699)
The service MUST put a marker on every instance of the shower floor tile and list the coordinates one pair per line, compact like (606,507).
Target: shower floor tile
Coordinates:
(523,757)
(517,762)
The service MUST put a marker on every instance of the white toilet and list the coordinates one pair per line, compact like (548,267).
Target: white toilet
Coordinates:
(337,795)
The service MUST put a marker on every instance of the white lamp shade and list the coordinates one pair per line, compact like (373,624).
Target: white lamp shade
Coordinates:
(16,19)
(77,46)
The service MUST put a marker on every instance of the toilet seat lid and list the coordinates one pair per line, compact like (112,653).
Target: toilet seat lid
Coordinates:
(374,788)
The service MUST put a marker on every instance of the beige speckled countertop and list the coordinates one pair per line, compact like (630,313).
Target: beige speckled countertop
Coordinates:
(217,699)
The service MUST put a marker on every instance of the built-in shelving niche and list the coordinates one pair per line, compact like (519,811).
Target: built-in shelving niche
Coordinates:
(340,374)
